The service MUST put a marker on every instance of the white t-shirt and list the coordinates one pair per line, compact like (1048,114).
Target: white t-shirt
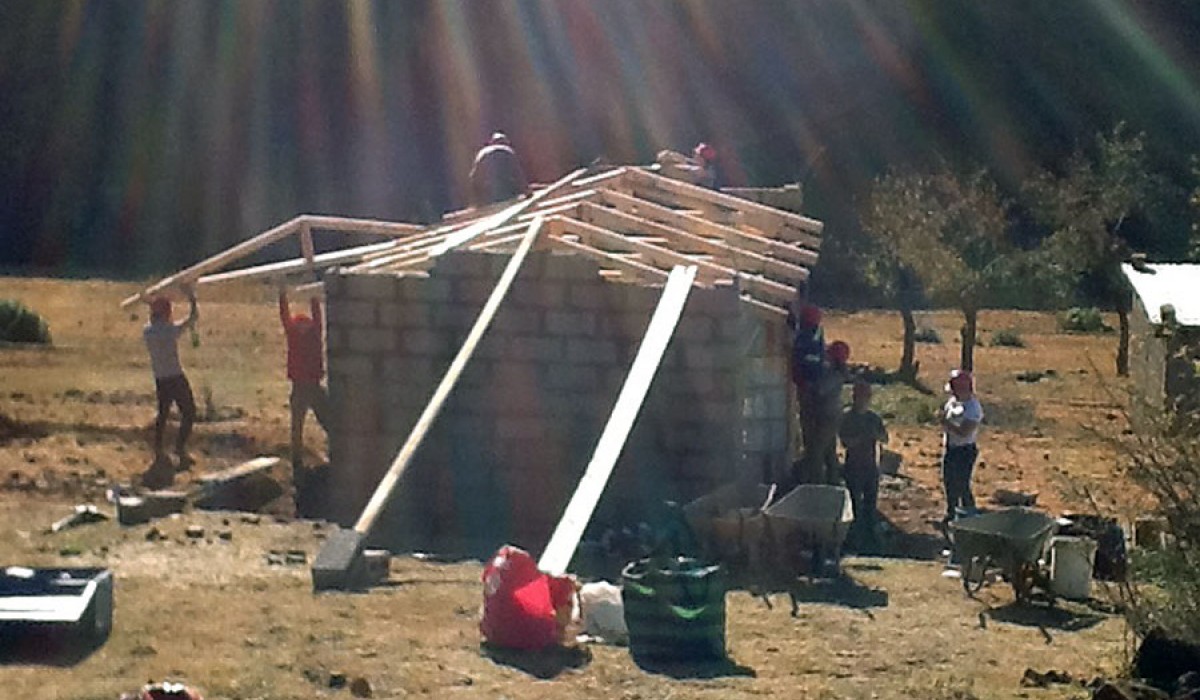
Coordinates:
(162,340)
(957,412)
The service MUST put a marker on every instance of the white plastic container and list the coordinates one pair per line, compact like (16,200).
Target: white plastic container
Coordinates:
(1071,560)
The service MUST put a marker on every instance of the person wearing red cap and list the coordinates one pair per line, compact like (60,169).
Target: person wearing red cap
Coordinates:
(171,386)
(862,431)
(496,175)
(820,451)
(305,369)
(699,169)
(960,419)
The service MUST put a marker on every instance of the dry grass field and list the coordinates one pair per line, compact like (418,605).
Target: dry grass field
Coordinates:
(214,612)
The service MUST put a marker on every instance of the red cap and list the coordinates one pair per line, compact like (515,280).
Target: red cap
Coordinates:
(961,380)
(810,316)
(838,351)
(160,307)
(705,151)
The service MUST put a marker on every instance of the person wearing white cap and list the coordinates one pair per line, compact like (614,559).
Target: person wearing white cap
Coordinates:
(960,419)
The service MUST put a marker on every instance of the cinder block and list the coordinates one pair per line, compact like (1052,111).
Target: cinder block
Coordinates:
(369,287)
(335,340)
(569,267)
(570,323)
(451,317)
(406,368)
(433,289)
(517,321)
(351,365)
(411,288)
(587,351)
(473,291)
(694,329)
(422,341)
(537,292)
(563,376)
(462,264)
(510,428)
(718,303)
(535,348)
(586,296)
(493,347)
(353,313)
(371,340)
(395,314)
(699,357)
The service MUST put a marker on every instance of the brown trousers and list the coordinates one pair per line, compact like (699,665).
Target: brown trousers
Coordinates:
(306,396)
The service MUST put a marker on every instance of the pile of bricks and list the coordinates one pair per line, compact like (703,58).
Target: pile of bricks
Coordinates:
(517,432)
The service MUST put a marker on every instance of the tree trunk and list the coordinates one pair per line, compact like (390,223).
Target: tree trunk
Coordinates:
(967,360)
(908,370)
(1123,342)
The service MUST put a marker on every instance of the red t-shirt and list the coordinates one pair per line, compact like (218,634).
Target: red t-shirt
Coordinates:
(304,353)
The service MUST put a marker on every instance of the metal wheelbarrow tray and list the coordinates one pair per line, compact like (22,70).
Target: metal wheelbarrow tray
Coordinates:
(78,601)
(1013,540)
(812,517)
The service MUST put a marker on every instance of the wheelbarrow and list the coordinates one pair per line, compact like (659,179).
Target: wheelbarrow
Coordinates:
(1012,541)
(810,522)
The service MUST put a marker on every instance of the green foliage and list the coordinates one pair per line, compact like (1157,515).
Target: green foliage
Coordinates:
(1083,320)
(20,324)
(1164,459)
(949,229)
(1007,338)
(902,404)
(927,334)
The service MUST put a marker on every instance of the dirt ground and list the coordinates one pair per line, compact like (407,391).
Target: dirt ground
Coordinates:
(217,612)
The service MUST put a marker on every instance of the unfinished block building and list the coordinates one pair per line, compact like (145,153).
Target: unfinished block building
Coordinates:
(510,444)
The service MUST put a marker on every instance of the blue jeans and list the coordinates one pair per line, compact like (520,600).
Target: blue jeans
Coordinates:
(958,462)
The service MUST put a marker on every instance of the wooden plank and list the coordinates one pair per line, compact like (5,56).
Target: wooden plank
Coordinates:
(561,548)
(776,222)
(696,225)
(424,252)
(373,227)
(740,259)
(254,466)
(503,216)
(219,260)
(635,269)
(387,485)
(306,244)
(285,267)
(665,256)
(606,178)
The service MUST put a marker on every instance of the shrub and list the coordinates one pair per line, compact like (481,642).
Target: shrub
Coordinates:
(1165,592)
(927,334)
(1083,320)
(20,324)
(1007,338)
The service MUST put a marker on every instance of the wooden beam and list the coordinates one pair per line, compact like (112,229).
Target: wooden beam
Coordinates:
(634,268)
(665,256)
(699,226)
(383,492)
(423,252)
(216,262)
(740,259)
(285,267)
(366,226)
(557,555)
(777,222)
(502,217)
(605,178)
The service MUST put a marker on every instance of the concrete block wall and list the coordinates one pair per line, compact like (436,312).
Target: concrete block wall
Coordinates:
(514,437)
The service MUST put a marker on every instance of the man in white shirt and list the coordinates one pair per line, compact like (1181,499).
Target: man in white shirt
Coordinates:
(960,419)
(170,384)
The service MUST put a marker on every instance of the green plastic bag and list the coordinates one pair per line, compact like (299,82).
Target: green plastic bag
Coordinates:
(675,609)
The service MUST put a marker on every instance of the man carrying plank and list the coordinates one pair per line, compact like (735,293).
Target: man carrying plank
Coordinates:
(305,369)
(171,386)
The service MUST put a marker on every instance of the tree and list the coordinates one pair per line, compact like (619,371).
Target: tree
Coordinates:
(1087,208)
(948,230)
(896,283)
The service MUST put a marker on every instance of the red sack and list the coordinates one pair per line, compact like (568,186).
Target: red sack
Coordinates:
(520,602)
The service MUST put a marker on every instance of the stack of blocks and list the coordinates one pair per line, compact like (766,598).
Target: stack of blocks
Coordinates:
(515,435)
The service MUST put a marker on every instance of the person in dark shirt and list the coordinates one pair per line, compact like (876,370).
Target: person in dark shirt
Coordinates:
(496,175)
(862,431)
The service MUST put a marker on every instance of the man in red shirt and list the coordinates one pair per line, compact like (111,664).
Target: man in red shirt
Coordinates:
(305,369)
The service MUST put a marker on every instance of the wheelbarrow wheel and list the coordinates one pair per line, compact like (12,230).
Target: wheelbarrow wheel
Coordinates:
(972,565)
(1023,580)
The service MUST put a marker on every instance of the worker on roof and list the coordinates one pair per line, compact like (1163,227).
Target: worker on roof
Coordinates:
(699,169)
(496,175)
(171,386)
(305,369)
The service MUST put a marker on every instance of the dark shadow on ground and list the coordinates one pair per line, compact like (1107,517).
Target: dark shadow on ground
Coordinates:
(544,664)
(680,670)
(1047,617)
(894,543)
(33,645)
(843,590)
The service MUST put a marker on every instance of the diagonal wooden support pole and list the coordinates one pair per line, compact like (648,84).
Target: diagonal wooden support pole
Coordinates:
(579,510)
(339,560)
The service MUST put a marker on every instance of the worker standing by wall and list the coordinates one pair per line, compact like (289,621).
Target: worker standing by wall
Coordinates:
(305,369)
(820,456)
(862,431)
